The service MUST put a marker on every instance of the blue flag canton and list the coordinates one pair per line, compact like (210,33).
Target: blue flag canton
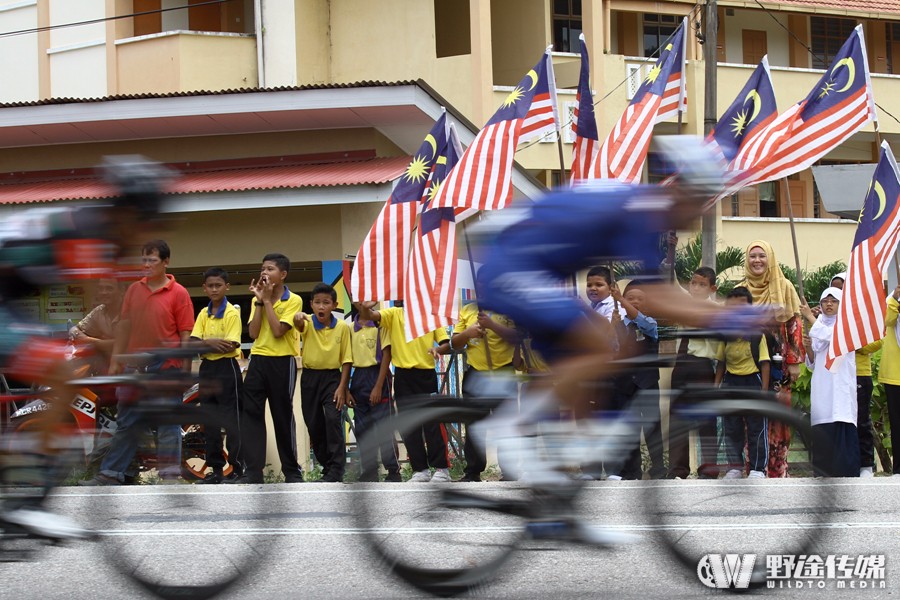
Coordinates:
(432,218)
(586,126)
(518,102)
(844,79)
(753,106)
(413,181)
(669,63)
(884,193)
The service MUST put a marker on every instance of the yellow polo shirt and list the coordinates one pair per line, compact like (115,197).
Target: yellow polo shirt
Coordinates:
(409,355)
(738,357)
(266,344)
(501,350)
(364,343)
(325,346)
(225,325)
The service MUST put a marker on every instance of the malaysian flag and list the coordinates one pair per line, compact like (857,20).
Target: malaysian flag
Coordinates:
(862,311)
(430,288)
(661,96)
(483,177)
(378,272)
(837,107)
(584,124)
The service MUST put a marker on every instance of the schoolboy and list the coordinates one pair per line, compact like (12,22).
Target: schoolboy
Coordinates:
(490,341)
(414,376)
(218,329)
(370,388)
(744,363)
(695,365)
(598,292)
(324,379)
(638,336)
(272,372)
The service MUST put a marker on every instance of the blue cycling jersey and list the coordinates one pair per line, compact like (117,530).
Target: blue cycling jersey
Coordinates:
(527,264)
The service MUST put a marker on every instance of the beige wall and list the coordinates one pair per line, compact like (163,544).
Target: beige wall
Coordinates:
(21,74)
(313,33)
(520,32)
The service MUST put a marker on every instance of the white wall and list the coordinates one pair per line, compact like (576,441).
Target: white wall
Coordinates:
(19,67)
(777,38)
(77,54)
(280,42)
(175,20)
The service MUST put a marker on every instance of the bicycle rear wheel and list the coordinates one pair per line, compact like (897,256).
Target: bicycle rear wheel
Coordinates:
(702,520)
(181,541)
(436,537)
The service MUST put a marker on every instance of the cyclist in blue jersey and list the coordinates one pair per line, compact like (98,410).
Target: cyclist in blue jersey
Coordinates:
(528,255)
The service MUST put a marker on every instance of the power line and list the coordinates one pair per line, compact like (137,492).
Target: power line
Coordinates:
(104,19)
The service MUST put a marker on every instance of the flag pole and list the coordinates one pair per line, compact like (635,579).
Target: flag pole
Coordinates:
(487,348)
(790,211)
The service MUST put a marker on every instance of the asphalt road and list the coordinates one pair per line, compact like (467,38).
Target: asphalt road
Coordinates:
(306,543)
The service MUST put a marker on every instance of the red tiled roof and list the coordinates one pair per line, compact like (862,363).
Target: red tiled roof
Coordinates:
(854,6)
(364,172)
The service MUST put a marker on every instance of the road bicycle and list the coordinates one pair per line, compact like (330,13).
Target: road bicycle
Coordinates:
(447,539)
(131,524)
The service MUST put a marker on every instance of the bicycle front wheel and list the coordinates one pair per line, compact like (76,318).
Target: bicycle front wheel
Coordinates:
(732,508)
(441,538)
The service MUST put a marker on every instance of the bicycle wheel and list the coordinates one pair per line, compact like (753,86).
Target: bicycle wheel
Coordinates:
(442,540)
(727,512)
(149,534)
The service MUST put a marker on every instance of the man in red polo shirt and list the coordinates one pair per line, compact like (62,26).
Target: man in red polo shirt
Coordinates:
(156,312)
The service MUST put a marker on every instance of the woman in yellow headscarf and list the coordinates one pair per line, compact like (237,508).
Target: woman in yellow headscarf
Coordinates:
(765,280)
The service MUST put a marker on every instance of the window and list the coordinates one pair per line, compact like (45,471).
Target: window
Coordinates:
(828,34)
(768,199)
(657,29)
(235,16)
(735,206)
(566,25)
(452,28)
(893,47)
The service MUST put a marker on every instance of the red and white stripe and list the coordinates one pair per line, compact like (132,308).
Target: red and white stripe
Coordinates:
(542,118)
(791,145)
(584,152)
(379,268)
(622,154)
(431,279)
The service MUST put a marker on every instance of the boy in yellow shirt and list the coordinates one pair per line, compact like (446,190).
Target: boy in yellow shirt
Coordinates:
(272,372)
(323,381)
(218,328)
(414,375)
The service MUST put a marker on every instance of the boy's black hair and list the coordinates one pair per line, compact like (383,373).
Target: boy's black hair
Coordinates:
(740,292)
(160,246)
(633,285)
(281,261)
(707,273)
(600,272)
(215,272)
(324,288)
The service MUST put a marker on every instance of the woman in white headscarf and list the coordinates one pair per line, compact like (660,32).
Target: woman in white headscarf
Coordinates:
(833,405)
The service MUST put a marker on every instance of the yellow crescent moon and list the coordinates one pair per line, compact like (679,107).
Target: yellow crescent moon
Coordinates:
(757,104)
(669,46)
(851,67)
(534,78)
(882,200)
(433,143)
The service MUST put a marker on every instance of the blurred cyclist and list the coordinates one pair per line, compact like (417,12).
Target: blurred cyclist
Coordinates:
(529,254)
(46,246)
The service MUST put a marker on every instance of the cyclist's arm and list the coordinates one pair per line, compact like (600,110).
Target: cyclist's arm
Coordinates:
(665,302)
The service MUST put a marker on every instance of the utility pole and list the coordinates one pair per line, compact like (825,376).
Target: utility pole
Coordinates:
(710,60)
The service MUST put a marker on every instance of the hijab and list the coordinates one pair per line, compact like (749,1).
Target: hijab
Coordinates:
(835,293)
(771,287)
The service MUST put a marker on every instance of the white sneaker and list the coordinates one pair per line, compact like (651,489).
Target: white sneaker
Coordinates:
(440,476)
(867,472)
(756,475)
(614,478)
(45,524)
(421,477)
(734,474)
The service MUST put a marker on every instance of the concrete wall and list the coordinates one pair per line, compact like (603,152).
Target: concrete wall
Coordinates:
(77,54)
(20,76)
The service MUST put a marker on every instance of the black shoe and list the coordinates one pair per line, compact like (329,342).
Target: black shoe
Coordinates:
(100,480)
(469,478)
(231,477)
(393,477)
(213,478)
(294,478)
(332,478)
(245,479)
